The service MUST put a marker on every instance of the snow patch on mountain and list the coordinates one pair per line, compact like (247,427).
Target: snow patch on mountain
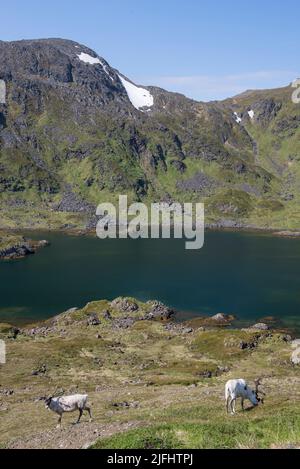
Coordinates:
(105,68)
(139,97)
(88,59)
(237,118)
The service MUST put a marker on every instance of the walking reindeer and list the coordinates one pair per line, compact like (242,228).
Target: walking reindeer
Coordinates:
(63,404)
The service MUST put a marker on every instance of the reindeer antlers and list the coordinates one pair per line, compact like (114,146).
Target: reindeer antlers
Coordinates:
(257,385)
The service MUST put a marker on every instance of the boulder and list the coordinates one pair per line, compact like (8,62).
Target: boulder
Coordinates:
(261,326)
(107,315)
(93,320)
(221,317)
(124,323)
(124,305)
(159,311)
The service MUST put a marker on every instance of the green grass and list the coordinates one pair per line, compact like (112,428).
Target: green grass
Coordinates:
(240,432)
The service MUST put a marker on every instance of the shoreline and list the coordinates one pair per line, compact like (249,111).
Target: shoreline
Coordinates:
(279,232)
(214,321)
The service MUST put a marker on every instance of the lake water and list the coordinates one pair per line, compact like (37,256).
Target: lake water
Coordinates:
(250,275)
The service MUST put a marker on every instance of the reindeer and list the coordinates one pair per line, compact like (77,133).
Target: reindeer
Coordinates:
(238,388)
(63,404)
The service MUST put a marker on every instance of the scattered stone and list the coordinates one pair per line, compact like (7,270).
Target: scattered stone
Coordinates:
(124,304)
(223,369)
(93,320)
(126,404)
(98,361)
(205,374)
(40,371)
(6,392)
(98,336)
(124,323)
(248,345)
(287,338)
(39,331)
(187,330)
(107,315)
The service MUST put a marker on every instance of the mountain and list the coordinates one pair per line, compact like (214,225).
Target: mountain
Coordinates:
(75,132)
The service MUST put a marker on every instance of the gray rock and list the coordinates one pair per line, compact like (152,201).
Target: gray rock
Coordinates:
(107,315)
(93,320)
(221,317)
(261,327)
(124,304)
(124,323)
(159,311)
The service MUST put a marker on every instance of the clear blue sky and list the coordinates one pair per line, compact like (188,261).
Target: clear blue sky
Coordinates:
(207,49)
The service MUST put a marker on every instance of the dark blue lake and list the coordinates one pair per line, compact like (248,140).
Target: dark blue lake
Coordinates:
(248,274)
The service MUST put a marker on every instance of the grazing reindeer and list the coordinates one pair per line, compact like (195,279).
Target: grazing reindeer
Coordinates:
(238,388)
(63,404)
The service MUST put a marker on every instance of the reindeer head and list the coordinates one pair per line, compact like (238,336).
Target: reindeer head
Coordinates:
(49,398)
(48,401)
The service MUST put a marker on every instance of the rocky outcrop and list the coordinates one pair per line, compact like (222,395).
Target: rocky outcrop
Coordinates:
(221,317)
(260,327)
(159,311)
(22,248)
(126,305)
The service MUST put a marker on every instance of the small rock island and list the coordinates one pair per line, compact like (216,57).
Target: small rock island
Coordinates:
(15,246)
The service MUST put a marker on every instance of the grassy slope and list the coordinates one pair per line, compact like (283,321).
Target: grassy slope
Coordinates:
(161,370)
(278,145)
(98,162)
(9,240)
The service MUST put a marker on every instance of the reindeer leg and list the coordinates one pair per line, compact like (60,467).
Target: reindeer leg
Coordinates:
(59,421)
(228,402)
(242,403)
(80,415)
(88,409)
(232,406)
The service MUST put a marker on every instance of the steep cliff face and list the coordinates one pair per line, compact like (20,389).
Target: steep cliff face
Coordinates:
(74,132)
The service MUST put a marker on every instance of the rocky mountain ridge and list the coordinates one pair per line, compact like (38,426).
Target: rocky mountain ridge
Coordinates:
(74,132)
